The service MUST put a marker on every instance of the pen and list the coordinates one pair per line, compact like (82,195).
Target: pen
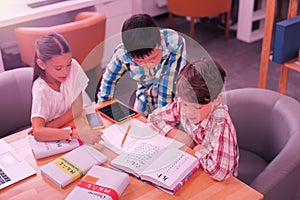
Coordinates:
(125,135)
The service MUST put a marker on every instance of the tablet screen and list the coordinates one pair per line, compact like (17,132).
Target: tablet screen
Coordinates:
(117,111)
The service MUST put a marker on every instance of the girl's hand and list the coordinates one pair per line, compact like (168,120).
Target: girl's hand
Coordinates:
(30,132)
(89,136)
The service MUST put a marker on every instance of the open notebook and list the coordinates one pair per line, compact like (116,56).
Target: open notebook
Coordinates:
(113,135)
(12,167)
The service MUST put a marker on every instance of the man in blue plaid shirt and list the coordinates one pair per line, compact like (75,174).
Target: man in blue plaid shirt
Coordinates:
(152,56)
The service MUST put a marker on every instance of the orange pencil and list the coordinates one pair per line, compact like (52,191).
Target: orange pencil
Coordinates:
(125,135)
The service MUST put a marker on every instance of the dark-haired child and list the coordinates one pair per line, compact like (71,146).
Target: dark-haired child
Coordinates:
(153,58)
(203,119)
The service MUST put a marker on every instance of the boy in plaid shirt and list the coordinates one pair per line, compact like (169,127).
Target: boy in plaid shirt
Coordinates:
(203,119)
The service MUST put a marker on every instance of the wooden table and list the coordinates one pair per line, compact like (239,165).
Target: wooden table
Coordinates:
(200,186)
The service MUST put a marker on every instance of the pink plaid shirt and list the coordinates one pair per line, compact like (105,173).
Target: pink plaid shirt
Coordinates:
(219,154)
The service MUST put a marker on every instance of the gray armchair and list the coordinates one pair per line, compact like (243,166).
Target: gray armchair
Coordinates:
(15,101)
(268,131)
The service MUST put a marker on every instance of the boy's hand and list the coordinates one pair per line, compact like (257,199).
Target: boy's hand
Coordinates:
(181,137)
(197,147)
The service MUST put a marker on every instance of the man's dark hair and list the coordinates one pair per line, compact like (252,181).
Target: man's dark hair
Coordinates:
(140,35)
(201,81)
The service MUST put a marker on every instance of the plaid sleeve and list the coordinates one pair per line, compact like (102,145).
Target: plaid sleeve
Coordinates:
(165,118)
(113,72)
(143,99)
(219,156)
(166,84)
(176,62)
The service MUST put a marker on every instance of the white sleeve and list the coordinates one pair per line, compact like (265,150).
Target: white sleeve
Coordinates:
(39,107)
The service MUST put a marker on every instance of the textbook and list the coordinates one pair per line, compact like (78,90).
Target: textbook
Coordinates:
(72,165)
(165,168)
(100,183)
(46,149)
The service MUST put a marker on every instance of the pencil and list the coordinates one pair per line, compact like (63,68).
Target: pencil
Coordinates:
(125,135)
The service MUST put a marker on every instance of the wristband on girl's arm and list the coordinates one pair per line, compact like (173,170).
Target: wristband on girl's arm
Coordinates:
(71,128)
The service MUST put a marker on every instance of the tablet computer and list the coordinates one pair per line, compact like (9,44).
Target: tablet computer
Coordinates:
(117,112)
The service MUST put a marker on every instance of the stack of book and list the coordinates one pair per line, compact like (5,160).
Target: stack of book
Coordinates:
(73,165)
(100,183)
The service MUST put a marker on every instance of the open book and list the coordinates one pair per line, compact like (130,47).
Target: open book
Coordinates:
(72,165)
(100,183)
(165,168)
(46,149)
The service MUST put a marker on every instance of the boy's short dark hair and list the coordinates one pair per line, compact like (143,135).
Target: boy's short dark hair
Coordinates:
(140,35)
(201,81)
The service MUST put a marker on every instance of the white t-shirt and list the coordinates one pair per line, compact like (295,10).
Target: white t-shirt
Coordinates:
(50,104)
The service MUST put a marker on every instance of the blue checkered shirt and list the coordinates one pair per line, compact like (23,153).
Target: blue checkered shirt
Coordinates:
(155,87)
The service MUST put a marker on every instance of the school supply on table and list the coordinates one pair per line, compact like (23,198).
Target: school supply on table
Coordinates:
(46,149)
(165,168)
(117,111)
(12,167)
(72,165)
(94,120)
(113,135)
(100,183)
(125,135)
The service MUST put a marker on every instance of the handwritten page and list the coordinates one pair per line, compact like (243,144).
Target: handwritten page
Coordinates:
(148,160)
(139,156)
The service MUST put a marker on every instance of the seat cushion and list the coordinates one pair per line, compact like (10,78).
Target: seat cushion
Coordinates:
(250,165)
